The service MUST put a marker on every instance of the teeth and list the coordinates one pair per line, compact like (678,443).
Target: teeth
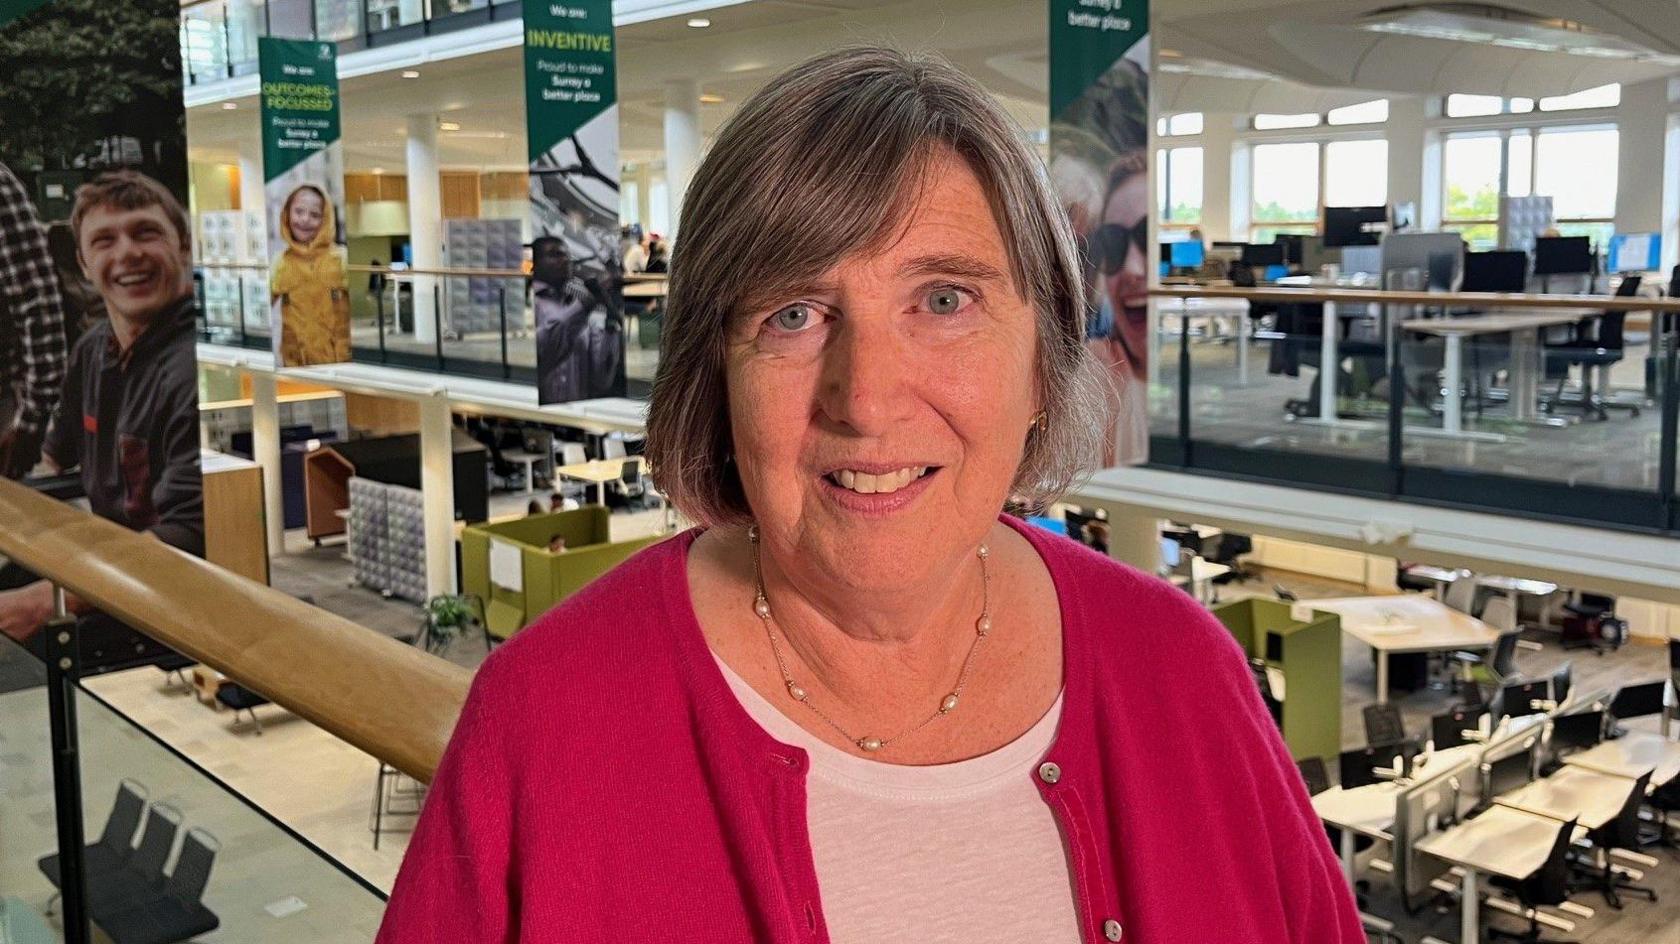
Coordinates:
(865,483)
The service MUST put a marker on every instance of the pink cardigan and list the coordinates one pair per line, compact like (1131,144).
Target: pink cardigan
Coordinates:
(603,783)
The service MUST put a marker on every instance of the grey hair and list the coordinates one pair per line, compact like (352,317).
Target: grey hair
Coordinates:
(821,162)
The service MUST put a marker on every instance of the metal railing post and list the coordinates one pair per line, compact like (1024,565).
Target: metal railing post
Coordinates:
(1184,384)
(63,669)
(501,301)
(437,322)
(243,333)
(379,309)
(1669,441)
(1396,400)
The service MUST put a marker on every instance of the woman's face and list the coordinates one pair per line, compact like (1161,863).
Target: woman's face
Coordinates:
(304,218)
(879,415)
(1127,206)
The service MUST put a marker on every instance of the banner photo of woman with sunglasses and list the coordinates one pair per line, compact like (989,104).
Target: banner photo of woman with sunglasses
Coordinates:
(1099,162)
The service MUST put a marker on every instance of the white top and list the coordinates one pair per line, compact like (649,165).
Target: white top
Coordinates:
(965,852)
(635,258)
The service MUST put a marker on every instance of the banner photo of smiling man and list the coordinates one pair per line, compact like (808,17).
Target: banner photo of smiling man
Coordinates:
(571,119)
(98,363)
(1099,163)
(303,171)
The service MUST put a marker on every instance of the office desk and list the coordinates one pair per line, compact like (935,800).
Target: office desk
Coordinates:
(529,460)
(1590,797)
(1501,841)
(652,289)
(1226,309)
(1408,622)
(1516,587)
(1631,755)
(599,472)
(1369,810)
(1524,328)
(1329,339)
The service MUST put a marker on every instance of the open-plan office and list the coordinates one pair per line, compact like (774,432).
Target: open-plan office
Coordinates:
(1408,288)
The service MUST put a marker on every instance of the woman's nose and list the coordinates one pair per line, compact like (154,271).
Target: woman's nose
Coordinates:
(864,370)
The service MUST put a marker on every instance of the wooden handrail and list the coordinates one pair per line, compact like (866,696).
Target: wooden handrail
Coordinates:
(1457,299)
(386,698)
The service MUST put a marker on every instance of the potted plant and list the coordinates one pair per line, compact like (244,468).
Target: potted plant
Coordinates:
(446,616)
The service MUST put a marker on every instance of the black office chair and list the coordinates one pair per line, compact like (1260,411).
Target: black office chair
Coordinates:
(1591,349)
(115,846)
(1447,729)
(1620,833)
(1493,670)
(1590,621)
(1384,724)
(1549,885)
(1230,548)
(1317,778)
(175,912)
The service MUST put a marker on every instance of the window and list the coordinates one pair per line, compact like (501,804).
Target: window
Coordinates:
(1365,113)
(1274,122)
(1285,189)
(1473,106)
(1577,168)
(1178,186)
(1172,126)
(1356,173)
(1470,170)
(1604,96)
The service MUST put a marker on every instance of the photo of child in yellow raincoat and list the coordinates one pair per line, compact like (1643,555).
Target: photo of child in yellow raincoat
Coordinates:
(309,282)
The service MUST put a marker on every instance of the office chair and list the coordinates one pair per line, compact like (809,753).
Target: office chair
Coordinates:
(1230,548)
(1384,724)
(1494,670)
(1620,833)
(1605,347)
(1461,593)
(1549,885)
(1501,614)
(1317,778)
(1590,621)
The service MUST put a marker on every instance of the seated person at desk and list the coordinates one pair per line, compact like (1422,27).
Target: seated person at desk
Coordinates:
(556,544)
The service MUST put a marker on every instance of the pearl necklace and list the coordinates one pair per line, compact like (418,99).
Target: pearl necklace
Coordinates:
(948,704)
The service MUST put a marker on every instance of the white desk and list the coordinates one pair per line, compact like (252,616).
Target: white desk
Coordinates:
(1407,622)
(599,472)
(530,460)
(1369,810)
(1591,798)
(1219,309)
(1631,755)
(1501,841)
(1523,326)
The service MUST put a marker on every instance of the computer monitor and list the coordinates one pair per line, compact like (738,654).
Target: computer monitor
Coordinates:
(1354,226)
(1637,701)
(1563,255)
(1171,553)
(1521,696)
(1274,647)
(1256,254)
(1359,767)
(1508,774)
(1293,247)
(1447,729)
(1576,732)
(1502,270)
(1635,252)
(1187,254)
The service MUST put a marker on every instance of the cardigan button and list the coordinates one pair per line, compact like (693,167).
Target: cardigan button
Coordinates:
(1112,929)
(1049,772)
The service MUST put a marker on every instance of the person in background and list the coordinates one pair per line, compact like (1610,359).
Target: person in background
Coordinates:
(535,507)
(32,347)
(635,254)
(864,702)
(128,420)
(580,339)
(309,282)
(657,259)
(557,544)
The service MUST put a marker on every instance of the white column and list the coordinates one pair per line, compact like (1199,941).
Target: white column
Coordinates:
(1219,136)
(1642,120)
(1405,150)
(425,218)
(644,188)
(1134,537)
(251,178)
(437,493)
(682,142)
(1241,193)
(265,449)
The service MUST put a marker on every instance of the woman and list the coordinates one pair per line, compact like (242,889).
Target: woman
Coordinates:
(861,705)
(309,282)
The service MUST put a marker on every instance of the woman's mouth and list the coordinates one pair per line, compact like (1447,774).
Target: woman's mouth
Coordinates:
(879,483)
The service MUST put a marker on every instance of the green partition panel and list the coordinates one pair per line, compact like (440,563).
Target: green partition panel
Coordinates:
(1310,655)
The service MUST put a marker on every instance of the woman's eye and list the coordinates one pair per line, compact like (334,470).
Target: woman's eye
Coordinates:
(792,318)
(944,301)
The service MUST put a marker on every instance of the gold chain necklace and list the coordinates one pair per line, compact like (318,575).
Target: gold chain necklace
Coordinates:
(948,704)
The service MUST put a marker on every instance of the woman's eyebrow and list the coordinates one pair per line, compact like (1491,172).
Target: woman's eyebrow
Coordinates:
(960,264)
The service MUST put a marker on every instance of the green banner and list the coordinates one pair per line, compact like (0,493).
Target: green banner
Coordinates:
(303,187)
(1099,156)
(571,126)
(571,74)
(299,101)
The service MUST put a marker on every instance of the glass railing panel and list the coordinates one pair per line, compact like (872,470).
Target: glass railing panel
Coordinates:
(204,42)
(1540,401)
(338,19)
(246,20)
(28,820)
(234,304)
(1163,367)
(1256,382)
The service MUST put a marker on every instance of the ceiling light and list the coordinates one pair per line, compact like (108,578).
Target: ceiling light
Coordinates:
(411,73)
(710,98)
(1486,24)
(698,22)
(1171,54)
(229,106)
(449,126)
